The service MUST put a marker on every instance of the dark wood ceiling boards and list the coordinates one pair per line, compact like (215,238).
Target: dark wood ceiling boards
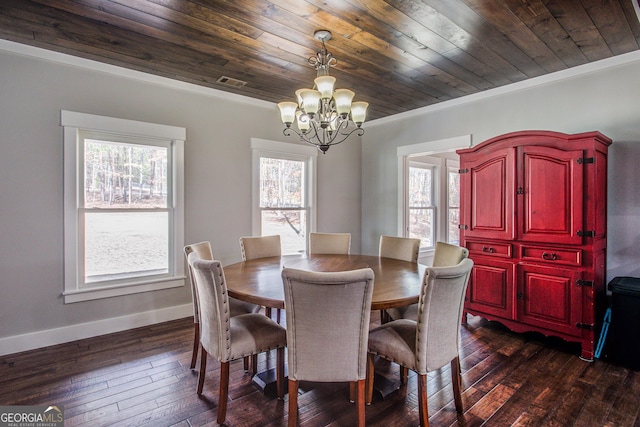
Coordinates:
(396,54)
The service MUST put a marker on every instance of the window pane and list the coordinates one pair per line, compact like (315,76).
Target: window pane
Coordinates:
(281,183)
(420,187)
(454,189)
(454,219)
(124,175)
(290,225)
(421,226)
(127,244)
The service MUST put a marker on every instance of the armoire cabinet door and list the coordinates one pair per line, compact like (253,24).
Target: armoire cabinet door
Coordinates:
(490,288)
(487,187)
(550,298)
(550,195)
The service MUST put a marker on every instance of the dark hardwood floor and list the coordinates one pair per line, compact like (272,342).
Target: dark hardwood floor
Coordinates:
(141,377)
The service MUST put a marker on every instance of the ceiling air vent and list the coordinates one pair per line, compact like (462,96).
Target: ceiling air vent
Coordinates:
(231,82)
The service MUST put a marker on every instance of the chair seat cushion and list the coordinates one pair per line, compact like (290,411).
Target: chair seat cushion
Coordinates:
(254,333)
(395,341)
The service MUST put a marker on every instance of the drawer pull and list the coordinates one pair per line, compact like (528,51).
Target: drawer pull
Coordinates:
(549,257)
(488,249)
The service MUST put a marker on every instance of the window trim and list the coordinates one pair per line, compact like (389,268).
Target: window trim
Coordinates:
(73,124)
(283,150)
(449,166)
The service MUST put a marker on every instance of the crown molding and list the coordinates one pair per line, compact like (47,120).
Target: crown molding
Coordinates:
(89,64)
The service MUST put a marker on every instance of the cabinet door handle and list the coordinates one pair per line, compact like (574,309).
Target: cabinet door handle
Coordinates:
(488,249)
(549,257)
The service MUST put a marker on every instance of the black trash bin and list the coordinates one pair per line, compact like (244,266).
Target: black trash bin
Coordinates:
(625,321)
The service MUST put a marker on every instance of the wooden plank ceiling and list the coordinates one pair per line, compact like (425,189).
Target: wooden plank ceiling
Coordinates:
(396,54)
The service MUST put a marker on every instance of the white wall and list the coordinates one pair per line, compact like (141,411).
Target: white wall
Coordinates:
(217,180)
(602,96)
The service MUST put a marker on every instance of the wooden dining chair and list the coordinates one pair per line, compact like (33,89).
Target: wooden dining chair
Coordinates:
(203,249)
(330,243)
(402,248)
(430,342)
(445,255)
(226,337)
(327,317)
(256,247)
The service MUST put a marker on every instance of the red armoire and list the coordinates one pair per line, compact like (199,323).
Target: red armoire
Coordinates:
(533,214)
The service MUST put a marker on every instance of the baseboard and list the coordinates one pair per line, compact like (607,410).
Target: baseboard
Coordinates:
(69,333)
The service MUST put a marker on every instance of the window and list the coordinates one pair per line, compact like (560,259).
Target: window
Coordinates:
(429,192)
(421,223)
(453,202)
(284,192)
(123,206)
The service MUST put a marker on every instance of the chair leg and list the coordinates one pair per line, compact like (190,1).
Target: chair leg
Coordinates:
(203,370)
(267,312)
(254,364)
(352,392)
(423,406)
(245,361)
(224,392)
(278,314)
(196,344)
(293,403)
(360,387)
(404,374)
(370,375)
(280,372)
(456,378)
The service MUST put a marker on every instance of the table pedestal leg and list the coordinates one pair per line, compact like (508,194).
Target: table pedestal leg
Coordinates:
(265,381)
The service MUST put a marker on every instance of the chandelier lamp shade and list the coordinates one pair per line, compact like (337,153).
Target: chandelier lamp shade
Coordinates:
(323,116)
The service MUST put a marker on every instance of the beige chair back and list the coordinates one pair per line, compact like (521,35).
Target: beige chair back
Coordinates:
(447,254)
(402,248)
(215,331)
(330,243)
(439,313)
(327,317)
(203,250)
(260,247)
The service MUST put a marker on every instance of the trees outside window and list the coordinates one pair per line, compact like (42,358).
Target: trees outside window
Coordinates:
(126,214)
(422,209)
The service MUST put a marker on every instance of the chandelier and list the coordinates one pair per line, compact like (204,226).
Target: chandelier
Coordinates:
(322,113)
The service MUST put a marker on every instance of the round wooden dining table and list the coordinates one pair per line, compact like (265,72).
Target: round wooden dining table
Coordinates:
(259,281)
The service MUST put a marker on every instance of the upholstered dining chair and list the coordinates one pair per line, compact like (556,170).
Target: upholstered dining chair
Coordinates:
(226,337)
(430,342)
(327,317)
(203,249)
(445,255)
(254,247)
(330,243)
(402,248)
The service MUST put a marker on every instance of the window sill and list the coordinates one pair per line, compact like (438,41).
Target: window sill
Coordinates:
(88,294)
